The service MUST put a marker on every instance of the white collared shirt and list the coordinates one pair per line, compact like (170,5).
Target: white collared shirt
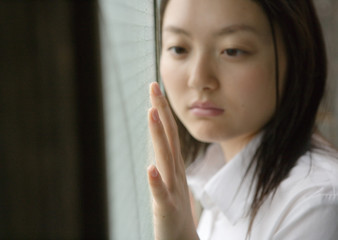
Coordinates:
(305,206)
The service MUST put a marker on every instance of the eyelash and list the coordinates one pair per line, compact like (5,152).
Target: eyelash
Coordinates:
(177,50)
(230,52)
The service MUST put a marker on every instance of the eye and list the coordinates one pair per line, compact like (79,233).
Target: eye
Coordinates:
(177,50)
(233,52)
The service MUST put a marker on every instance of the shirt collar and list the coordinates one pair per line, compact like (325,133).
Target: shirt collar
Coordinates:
(223,186)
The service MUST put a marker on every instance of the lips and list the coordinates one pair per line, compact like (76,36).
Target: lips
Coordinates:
(205,109)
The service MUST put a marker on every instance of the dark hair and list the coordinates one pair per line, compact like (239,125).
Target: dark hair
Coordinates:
(287,135)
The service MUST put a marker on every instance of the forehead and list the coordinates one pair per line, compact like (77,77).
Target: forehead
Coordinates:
(212,15)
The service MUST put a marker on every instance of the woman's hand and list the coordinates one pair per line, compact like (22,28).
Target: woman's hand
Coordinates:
(171,204)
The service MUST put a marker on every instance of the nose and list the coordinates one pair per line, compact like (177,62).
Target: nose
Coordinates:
(202,75)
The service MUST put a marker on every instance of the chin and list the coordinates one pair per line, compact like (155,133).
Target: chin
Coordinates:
(208,135)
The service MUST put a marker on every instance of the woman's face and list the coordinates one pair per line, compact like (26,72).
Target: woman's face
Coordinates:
(218,67)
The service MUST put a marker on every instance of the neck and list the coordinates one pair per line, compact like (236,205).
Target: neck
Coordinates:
(231,147)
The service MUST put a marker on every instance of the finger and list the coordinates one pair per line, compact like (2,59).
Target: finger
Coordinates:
(157,186)
(160,102)
(169,123)
(163,156)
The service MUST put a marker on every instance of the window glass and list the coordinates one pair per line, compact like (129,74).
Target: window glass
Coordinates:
(128,59)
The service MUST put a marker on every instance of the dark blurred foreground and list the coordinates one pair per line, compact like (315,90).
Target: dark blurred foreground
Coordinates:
(52,163)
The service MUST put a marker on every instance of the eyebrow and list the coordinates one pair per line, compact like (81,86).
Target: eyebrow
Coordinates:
(231,29)
(236,28)
(176,30)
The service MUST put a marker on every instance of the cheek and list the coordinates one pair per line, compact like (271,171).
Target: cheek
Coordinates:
(172,77)
(254,91)
(257,84)
(173,82)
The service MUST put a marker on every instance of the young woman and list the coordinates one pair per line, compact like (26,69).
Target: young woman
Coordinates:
(244,79)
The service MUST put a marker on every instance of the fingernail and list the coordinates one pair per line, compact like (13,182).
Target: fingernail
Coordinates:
(154,172)
(156,89)
(154,115)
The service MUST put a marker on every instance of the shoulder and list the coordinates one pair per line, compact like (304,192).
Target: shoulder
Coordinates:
(317,168)
(308,199)
(313,178)
(315,174)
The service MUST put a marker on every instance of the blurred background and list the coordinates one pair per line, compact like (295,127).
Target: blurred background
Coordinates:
(73,87)
(328,119)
